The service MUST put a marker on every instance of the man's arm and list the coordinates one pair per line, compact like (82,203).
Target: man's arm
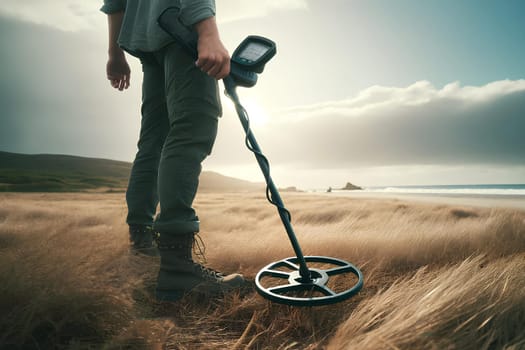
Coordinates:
(213,59)
(117,68)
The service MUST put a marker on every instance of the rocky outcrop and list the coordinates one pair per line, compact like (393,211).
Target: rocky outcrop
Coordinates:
(351,187)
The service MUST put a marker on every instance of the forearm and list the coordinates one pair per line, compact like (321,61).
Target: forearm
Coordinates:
(117,68)
(114,25)
(213,56)
(207,27)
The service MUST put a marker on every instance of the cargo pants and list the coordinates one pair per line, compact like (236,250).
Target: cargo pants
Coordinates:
(180,111)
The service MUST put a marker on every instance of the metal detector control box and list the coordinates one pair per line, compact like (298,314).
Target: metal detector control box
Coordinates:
(253,53)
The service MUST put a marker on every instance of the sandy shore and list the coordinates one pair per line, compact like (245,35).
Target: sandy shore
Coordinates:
(486,201)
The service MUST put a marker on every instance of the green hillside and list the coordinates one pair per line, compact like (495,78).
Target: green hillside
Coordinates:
(60,173)
(64,173)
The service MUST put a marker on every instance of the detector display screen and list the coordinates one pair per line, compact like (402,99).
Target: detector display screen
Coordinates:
(253,51)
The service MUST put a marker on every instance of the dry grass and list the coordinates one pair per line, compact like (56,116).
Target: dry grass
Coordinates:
(436,277)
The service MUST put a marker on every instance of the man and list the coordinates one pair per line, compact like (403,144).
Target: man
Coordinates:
(180,111)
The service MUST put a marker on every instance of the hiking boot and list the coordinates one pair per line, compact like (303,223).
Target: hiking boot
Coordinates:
(180,275)
(142,238)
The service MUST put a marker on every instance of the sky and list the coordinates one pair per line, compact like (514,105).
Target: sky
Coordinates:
(373,92)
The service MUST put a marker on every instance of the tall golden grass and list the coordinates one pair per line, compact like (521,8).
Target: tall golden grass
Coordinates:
(436,276)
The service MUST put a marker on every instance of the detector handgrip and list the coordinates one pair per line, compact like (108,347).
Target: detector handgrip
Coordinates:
(169,21)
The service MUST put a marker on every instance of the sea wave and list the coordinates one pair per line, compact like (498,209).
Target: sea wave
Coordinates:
(451,191)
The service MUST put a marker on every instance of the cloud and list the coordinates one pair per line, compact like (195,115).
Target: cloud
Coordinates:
(75,15)
(395,126)
(66,15)
(235,10)
(418,134)
(419,93)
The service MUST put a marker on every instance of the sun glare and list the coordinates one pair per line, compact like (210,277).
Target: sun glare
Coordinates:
(256,112)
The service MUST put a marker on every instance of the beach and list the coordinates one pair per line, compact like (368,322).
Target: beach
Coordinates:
(471,200)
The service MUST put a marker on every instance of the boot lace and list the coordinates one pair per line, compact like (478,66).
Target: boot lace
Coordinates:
(208,273)
(199,249)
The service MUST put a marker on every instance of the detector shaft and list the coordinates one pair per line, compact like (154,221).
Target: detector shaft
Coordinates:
(263,164)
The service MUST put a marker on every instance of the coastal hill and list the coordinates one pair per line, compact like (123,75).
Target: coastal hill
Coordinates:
(65,173)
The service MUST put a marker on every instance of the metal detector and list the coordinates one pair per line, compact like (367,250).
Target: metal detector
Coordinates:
(299,280)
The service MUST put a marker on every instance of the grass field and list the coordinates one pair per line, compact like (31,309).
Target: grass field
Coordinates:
(436,276)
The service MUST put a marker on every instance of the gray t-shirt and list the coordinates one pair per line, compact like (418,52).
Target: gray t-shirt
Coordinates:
(140,31)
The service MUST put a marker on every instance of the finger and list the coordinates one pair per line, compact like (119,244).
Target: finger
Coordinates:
(206,67)
(128,76)
(116,83)
(121,84)
(207,64)
(201,60)
(214,70)
(114,76)
(222,74)
(114,73)
(221,70)
(225,71)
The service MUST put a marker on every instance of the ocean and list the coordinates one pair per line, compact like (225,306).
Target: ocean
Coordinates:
(482,190)
(492,196)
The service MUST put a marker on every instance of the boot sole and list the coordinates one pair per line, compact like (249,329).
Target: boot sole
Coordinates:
(202,289)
